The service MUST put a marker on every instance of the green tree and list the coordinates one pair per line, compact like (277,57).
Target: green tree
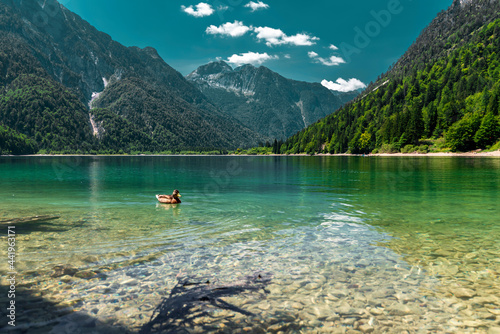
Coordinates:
(489,131)
(460,136)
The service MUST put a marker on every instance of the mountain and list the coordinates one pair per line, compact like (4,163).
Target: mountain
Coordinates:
(263,100)
(444,91)
(68,86)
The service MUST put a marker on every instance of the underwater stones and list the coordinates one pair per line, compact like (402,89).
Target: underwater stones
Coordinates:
(66,278)
(463,293)
(401,310)
(472,255)
(333,317)
(348,321)
(494,311)
(347,311)
(366,328)
(69,303)
(130,282)
(442,253)
(473,323)
(85,274)
(484,300)
(485,315)
(494,330)
(452,270)
(90,258)
(275,290)
(264,306)
(62,270)
(319,313)
(458,306)
(312,286)
(337,293)
(319,285)
(376,311)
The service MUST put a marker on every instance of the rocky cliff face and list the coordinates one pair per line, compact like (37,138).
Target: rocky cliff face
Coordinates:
(71,50)
(265,101)
(83,58)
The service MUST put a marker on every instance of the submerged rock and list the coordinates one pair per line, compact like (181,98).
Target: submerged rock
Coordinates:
(85,274)
(494,330)
(401,310)
(366,328)
(90,259)
(463,293)
(63,270)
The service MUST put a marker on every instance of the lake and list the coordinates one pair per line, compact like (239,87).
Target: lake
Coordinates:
(258,245)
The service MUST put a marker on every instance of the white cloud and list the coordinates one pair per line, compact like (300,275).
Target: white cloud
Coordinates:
(222,8)
(235,29)
(333,47)
(332,61)
(202,9)
(287,56)
(312,54)
(278,37)
(300,40)
(344,86)
(256,5)
(250,58)
(271,35)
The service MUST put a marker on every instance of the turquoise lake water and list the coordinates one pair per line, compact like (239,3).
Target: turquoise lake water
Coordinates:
(373,244)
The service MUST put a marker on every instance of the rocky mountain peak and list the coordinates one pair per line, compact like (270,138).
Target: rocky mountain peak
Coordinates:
(245,67)
(210,69)
(151,52)
(263,100)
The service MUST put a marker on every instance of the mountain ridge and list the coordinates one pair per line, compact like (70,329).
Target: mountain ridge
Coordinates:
(265,101)
(90,64)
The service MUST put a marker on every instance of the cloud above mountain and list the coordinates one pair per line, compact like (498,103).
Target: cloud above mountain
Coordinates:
(256,5)
(235,29)
(344,86)
(274,37)
(332,61)
(271,36)
(253,58)
(200,10)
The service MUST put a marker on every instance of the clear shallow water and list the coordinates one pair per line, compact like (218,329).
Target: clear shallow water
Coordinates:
(382,244)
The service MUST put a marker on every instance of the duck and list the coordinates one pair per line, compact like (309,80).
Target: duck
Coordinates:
(170,199)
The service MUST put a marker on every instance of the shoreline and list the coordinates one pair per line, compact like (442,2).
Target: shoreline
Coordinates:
(435,154)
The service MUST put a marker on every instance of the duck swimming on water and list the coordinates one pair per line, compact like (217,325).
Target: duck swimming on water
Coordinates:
(170,199)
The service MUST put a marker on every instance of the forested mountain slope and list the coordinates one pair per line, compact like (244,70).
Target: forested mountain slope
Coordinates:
(57,68)
(446,86)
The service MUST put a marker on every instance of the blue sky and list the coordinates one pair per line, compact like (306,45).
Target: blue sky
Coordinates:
(343,44)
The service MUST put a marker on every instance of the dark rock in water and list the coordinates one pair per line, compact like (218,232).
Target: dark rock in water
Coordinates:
(192,298)
(85,274)
(63,270)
